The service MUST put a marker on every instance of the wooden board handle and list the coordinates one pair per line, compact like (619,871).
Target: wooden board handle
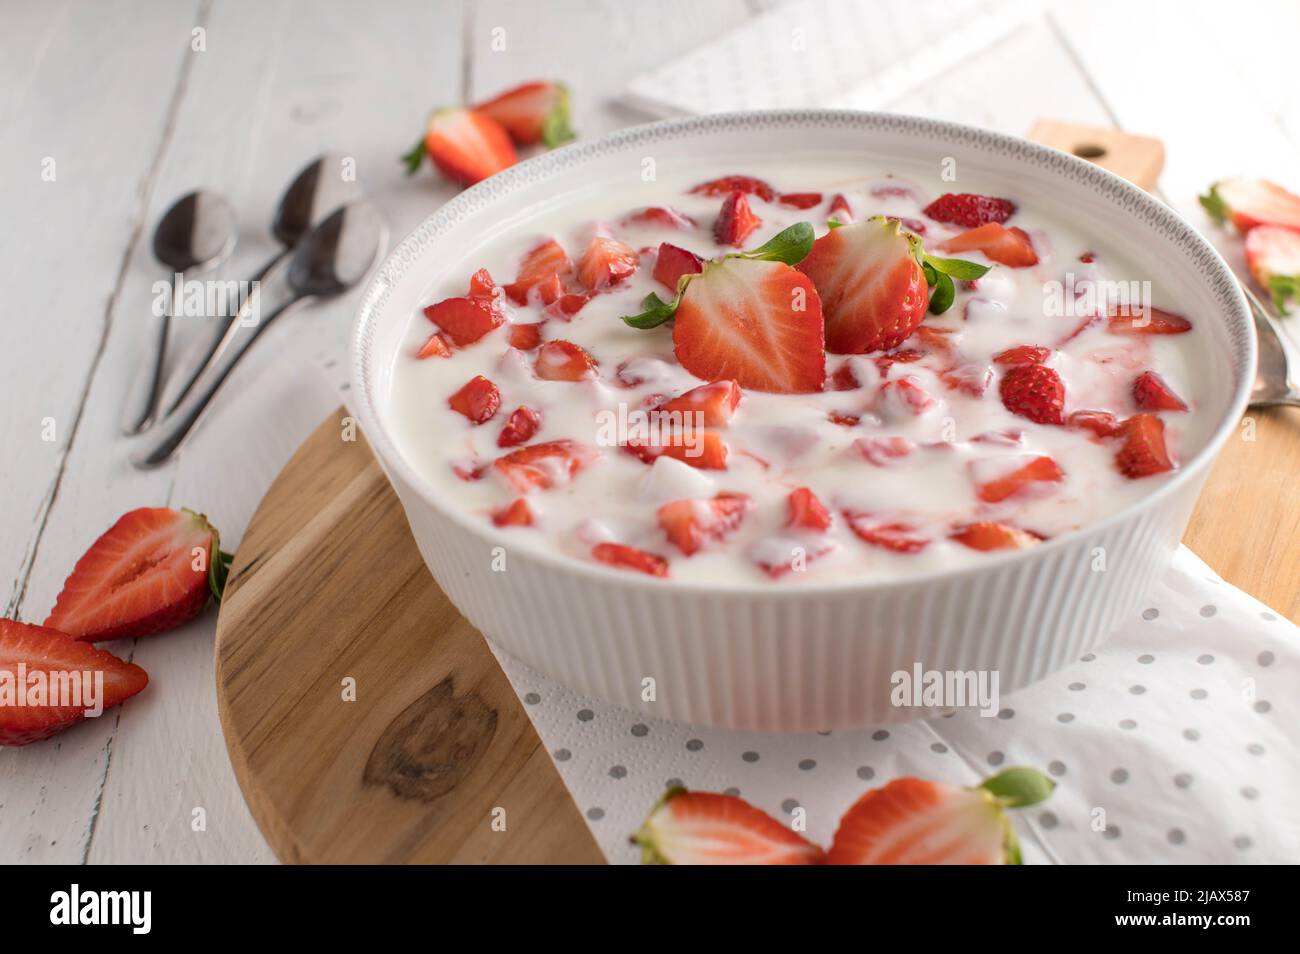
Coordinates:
(1138,159)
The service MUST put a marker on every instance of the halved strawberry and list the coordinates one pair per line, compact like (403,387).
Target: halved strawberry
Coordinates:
(532,113)
(606,262)
(703,828)
(704,450)
(520,427)
(542,466)
(1273,254)
(1000,478)
(465,320)
(437,345)
(630,558)
(729,184)
(883,451)
(518,514)
(758,323)
(970,210)
(689,524)
(465,145)
(872,287)
(560,360)
(151,571)
(1007,246)
(735,220)
(806,511)
(840,212)
(716,402)
(800,200)
(64,662)
(1143,451)
(663,215)
(990,535)
(887,533)
(672,263)
(1034,391)
(1100,423)
(1150,393)
(1131,320)
(478,400)
(1023,354)
(526,337)
(912,821)
(1250,202)
(544,260)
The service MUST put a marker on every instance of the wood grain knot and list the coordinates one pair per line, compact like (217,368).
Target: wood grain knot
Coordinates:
(433,744)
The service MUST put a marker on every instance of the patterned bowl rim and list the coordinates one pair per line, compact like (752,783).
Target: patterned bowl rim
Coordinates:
(1108,187)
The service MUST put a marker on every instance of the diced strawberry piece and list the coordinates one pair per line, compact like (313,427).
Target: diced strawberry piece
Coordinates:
(1007,438)
(478,400)
(568,305)
(872,288)
(660,215)
(465,320)
(969,210)
(518,514)
(520,427)
(689,524)
(735,220)
(901,356)
(468,470)
(630,558)
(438,345)
(843,419)
(541,466)
(526,337)
(1079,329)
(1128,320)
(1009,482)
(716,402)
(1023,354)
(481,285)
(560,360)
(549,289)
(1151,393)
(545,260)
(151,571)
(807,512)
(672,263)
(839,210)
(844,379)
(915,226)
(1252,202)
(729,184)
(702,828)
(883,451)
(61,660)
(756,323)
(1273,255)
(1011,247)
(606,263)
(532,113)
(1143,451)
(972,379)
(935,339)
(893,192)
(907,394)
(896,535)
(704,450)
(988,535)
(777,557)
(467,146)
(801,200)
(1034,391)
(1100,423)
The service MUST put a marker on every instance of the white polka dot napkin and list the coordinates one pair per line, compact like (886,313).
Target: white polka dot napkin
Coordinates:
(1173,744)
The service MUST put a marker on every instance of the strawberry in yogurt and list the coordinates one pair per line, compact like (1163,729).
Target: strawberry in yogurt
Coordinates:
(794,373)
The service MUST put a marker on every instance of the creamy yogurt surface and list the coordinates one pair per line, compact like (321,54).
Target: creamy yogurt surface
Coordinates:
(828,441)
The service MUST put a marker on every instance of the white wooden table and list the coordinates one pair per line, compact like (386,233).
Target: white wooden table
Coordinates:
(132,103)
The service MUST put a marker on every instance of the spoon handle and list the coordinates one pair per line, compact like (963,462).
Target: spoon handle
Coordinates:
(146,387)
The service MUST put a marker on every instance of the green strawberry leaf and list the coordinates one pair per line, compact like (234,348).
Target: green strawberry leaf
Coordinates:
(834,224)
(556,130)
(942,297)
(957,268)
(931,276)
(654,311)
(1020,786)
(789,246)
(1282,288)
(1214,205)
(412,159)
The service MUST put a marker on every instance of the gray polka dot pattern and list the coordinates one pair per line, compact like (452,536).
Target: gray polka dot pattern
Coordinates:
(694,745)
(750,756)
(1056,767)
(1208,611)
(807,765)
(789,805)
(585,715)
(532,699)
(1150,614)
(640,730)
(866,773)
(618,771)
(996,758)
(1119,776)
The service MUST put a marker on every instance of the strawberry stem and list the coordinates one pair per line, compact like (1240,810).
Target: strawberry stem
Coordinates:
(411,160)
(1020,786)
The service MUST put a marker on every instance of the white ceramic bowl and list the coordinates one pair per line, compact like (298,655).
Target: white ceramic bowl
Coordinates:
(812,656)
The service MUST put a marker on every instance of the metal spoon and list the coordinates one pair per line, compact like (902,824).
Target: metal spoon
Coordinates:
(318,189)
(1278,364)
(330,259)
(196,233)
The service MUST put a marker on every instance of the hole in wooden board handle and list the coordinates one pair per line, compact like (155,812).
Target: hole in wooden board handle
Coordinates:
(1138,159)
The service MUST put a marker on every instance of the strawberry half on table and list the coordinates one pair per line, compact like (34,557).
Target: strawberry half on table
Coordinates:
(38,649)
(151,571)
(1247,202)
(465,145)
(1273,254)
(532,113)
(704,828)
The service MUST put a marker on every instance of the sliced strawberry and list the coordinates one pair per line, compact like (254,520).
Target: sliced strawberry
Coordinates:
(757,323)
(704,450)
(689,524)
(735,220)
(872,288)
(606,263)
(526,337)
(911,821)
(1100,423)
(467,146)
(807,512)
(969,210)
(672,262)
(1023,354)
(801,200)
(438,345)
(545,260)
(972,379)
(1273,254)
(465,320)
(568,305)
(883,451)
(889,534)
(1143,451)
(520,427)
(988,535)
(665,216)
(478,400)
(1034,391)
(151,571)
(1251,202)
(908,395)
(1011,247)
(844,378)
(630,558)
(703,828)
(518,514)
(481,285)
(560,360)
(65,662)
(1126,320)
(542,466)
(532,113)
(716,402)
(839,210)
(729,184)
(996,480)
(1151,393)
